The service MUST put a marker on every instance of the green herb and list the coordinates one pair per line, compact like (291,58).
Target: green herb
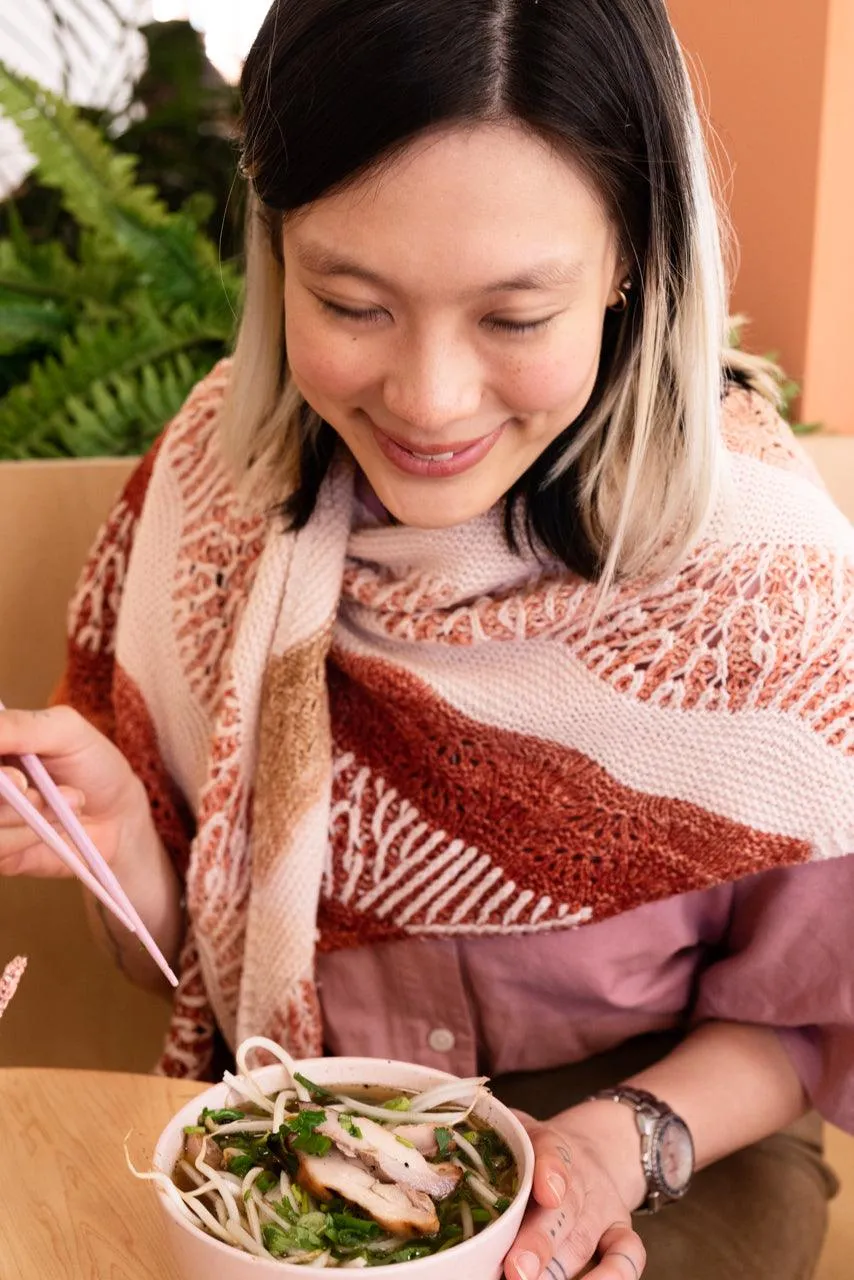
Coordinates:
(317,1091)
(397,1104)
(444,1139)
(225,1116)
(405,1142)
(276,1240)
(240,1165)
(421,1249)
(349,1125)
(348,1232)
(194,1129)
(299,1132)
(472,1136)
(280,1241)
(286,1210)
(502,1204)
(266,1181)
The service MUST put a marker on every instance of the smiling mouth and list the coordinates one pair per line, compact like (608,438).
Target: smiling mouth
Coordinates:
(432,457)
(439,455)
(454,459)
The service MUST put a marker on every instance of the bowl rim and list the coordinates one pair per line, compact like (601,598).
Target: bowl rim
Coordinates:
(431,1074)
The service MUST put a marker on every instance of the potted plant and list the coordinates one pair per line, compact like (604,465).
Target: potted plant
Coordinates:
(112,305)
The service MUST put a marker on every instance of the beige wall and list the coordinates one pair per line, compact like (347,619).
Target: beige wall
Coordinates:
(49,512)
(777,77)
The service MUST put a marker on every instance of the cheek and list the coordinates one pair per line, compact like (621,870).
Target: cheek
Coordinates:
(552,380)
(323,364)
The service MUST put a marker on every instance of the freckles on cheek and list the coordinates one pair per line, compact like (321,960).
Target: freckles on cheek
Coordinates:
(551,384)
(317,366)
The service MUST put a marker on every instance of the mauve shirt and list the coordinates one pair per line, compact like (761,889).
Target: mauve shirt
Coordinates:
(775,949)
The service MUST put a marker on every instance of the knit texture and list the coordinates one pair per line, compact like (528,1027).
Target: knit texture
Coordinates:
(362,732)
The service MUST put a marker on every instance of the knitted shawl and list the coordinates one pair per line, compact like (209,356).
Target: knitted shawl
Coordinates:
(353,733)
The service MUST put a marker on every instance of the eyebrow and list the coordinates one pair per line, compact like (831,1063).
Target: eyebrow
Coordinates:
(551,274)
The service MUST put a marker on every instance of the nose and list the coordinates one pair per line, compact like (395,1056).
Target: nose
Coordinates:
(433,383)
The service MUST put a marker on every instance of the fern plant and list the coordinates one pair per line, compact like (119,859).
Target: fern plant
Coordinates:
(128,320)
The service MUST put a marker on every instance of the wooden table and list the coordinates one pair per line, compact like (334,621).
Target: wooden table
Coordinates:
(69,1207)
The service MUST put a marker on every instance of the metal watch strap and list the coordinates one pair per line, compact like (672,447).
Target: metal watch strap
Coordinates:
(649,1111)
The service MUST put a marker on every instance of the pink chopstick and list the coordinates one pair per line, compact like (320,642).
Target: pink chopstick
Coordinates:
(93,870)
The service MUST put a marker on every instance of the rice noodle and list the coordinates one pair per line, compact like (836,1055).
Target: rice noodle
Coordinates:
(466,1092)
(404,1117)
(247,1088)
(242,1126)
(471,1151)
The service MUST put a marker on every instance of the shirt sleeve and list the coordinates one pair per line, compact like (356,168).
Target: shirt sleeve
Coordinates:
(789,964)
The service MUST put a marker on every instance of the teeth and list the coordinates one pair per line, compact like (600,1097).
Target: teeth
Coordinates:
(432,457)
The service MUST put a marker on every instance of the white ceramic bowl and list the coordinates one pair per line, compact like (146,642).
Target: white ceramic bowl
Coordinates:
(201,1257)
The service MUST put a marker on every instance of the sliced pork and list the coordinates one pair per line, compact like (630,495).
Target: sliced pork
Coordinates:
(400,1209)
(388,1156)
(422,1137)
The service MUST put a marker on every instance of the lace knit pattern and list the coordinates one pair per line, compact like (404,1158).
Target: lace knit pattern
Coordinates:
(344,740)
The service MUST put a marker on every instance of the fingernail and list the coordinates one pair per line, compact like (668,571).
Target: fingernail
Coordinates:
(557,1184)
(528,1266)
(20,779)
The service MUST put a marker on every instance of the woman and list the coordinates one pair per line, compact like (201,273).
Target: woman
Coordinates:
(467,664)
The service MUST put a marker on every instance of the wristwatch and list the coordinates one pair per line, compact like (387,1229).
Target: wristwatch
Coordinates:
(666,1146)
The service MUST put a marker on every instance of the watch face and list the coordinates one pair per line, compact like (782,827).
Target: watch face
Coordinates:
(674,1156)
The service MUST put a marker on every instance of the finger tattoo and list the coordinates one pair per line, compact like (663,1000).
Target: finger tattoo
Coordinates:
(556,1270)
(613,1254)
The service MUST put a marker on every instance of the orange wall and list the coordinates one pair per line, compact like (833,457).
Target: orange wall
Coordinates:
(829,383)
(763,64)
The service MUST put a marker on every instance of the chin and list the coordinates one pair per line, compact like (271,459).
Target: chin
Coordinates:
(436,513)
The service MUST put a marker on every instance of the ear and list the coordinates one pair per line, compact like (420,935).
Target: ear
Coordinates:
(621,283)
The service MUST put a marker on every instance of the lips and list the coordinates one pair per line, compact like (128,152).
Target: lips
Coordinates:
(423,458)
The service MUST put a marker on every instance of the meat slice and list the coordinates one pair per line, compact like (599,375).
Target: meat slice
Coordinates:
(384,1153)
(401,1210)
(422,1137)
(193,1145)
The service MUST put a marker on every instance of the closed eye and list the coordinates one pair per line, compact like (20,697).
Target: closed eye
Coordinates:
(516,326)
(368,315)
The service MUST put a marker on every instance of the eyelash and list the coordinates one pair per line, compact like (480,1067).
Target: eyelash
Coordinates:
(373,314)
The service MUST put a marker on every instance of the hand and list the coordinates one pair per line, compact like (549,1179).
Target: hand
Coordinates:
(92,774)
(577,1212)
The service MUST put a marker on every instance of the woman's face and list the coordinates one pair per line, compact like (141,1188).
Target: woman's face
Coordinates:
(445,315)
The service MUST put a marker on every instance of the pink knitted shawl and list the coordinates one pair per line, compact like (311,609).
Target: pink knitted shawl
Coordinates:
(357,733)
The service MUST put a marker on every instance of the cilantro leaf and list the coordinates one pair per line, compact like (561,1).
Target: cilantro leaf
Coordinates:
(444,1140)
(317,1091)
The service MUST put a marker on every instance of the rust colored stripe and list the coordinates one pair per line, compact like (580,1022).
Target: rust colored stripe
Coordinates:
(554,820)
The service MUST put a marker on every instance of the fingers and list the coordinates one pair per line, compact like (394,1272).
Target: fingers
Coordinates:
(621,1257)
(56,731)
(21,850)
(9,817)
(575,1214)
(557,1202)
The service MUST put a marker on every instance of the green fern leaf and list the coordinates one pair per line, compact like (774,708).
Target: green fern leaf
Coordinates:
(25,323)
(112,385)
(98,189)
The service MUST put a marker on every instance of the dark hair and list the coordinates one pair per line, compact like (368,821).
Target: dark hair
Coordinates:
(332,87)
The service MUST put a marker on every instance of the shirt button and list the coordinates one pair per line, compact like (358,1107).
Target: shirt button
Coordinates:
(441,1040)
